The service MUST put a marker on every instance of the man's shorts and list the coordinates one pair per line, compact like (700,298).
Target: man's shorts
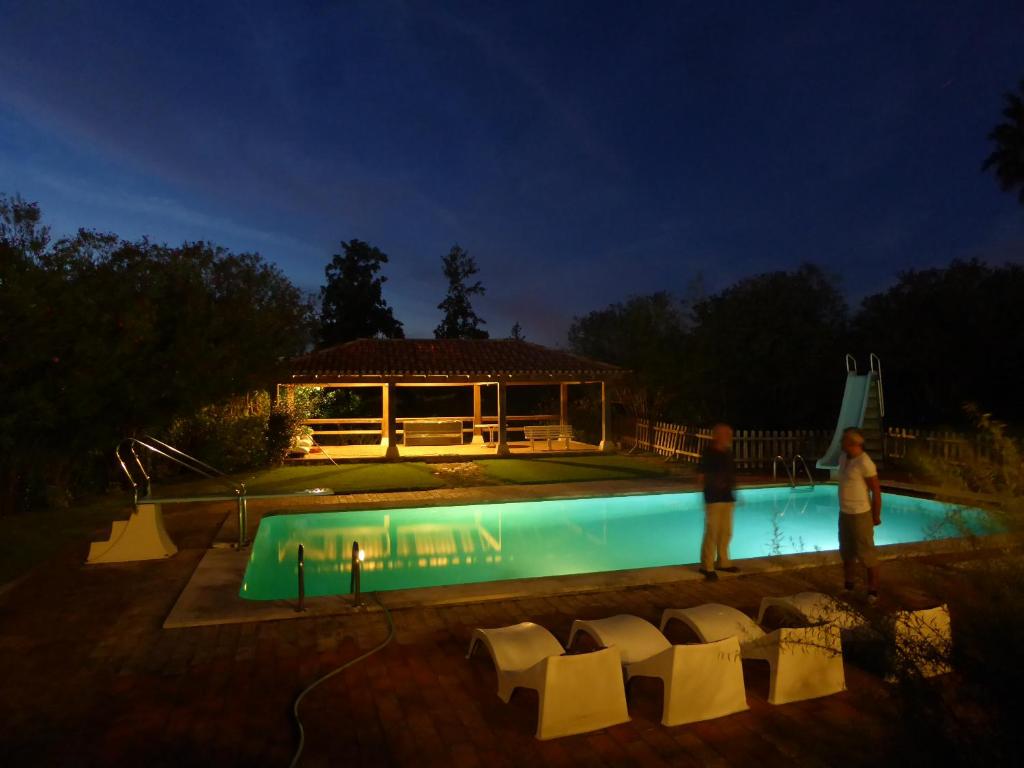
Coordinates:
(857,538)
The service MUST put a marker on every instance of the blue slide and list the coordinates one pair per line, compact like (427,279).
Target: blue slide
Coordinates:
(851,414)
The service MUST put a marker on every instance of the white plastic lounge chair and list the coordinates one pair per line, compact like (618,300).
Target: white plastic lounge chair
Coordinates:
(700,681)
(923,639)
(806,663)
(814,608)
(577,694)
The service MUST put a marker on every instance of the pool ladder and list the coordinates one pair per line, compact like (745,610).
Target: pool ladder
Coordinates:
(355,585)
(791,468)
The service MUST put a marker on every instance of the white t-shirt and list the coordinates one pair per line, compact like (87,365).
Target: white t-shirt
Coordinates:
(853,490)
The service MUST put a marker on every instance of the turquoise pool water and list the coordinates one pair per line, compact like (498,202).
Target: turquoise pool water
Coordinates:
(433,546)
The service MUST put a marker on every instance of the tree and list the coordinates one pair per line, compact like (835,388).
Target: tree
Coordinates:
(766,352)
(648,336)
(351,303)
(460,321)
(1007,159)
(948,336)
(105,338)
(517,332)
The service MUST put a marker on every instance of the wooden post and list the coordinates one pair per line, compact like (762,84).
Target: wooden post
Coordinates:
(289,397)
(563,404)
(478,436)
(605,418)
(502,449)
(388,431)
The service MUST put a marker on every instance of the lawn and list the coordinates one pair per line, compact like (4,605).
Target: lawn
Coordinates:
(571,469)
(343,478)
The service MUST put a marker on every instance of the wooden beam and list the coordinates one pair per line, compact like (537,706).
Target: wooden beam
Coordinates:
(502,449)
(478,436)
(563,404)
(436,380)
(388,432)
(605,444)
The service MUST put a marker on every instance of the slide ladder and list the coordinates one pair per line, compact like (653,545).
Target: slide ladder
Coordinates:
(863,407)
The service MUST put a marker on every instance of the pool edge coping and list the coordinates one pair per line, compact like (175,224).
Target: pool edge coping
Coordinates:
(211,598)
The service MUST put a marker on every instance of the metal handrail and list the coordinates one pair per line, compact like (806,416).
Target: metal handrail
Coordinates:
(190,463)
(876,368)
(775,470)
(187,461)
(851,363)
(187,456)
(807,470)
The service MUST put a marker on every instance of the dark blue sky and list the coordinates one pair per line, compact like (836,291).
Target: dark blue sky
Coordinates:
(582,152)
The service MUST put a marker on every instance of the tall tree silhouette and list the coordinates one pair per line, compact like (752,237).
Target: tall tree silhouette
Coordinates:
(460,321)
(351,303)
(1007,159)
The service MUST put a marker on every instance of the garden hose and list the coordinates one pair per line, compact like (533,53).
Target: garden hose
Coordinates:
(332,673)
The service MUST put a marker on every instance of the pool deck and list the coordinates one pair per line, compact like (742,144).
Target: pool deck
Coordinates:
(89,676)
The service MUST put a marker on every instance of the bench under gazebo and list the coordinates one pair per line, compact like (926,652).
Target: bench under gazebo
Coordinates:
(486,368)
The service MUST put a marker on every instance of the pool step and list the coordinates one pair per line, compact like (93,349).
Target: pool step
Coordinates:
(141,537)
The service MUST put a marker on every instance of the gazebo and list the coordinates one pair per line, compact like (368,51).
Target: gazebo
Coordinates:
(479,364)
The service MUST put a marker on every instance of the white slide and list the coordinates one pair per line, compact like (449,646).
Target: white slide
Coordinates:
(857,400)
(700,681)
(577,694)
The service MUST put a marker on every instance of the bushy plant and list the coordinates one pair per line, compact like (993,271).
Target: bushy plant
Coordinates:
(969,718)
(230,443)
(282,427)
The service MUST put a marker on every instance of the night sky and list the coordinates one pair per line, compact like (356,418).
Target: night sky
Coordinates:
(582,152)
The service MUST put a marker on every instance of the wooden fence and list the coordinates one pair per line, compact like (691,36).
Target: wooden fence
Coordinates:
(752,448)
(945,446)
(757,448)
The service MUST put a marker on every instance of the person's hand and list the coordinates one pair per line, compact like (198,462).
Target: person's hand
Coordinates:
(877,519)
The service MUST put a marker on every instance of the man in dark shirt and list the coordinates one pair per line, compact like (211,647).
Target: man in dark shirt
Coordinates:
(717,476)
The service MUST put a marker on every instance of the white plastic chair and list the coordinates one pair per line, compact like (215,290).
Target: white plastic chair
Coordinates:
(806,663)
(577,694)
(924,640)
(700,681)
(814,608)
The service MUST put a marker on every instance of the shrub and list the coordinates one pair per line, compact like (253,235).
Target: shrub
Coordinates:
(969,718)
(243,433)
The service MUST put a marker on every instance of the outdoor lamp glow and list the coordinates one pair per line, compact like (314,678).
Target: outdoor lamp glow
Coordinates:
(362,555)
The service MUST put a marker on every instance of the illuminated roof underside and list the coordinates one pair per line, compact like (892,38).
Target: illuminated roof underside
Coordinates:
(445,359)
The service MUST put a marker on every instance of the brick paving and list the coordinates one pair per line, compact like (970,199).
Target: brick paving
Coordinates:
(88,677)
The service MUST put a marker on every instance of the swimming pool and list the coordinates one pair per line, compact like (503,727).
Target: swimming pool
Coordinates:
(434,546)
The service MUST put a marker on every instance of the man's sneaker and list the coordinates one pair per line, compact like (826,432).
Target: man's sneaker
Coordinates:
(730,569)
(709,575)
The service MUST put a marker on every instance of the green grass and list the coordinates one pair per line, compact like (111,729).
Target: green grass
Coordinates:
(571,469)
(343,478)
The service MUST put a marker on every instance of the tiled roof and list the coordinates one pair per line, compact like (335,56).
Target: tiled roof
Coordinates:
(491,358)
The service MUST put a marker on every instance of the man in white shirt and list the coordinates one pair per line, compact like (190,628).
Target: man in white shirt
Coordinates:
(860,510)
